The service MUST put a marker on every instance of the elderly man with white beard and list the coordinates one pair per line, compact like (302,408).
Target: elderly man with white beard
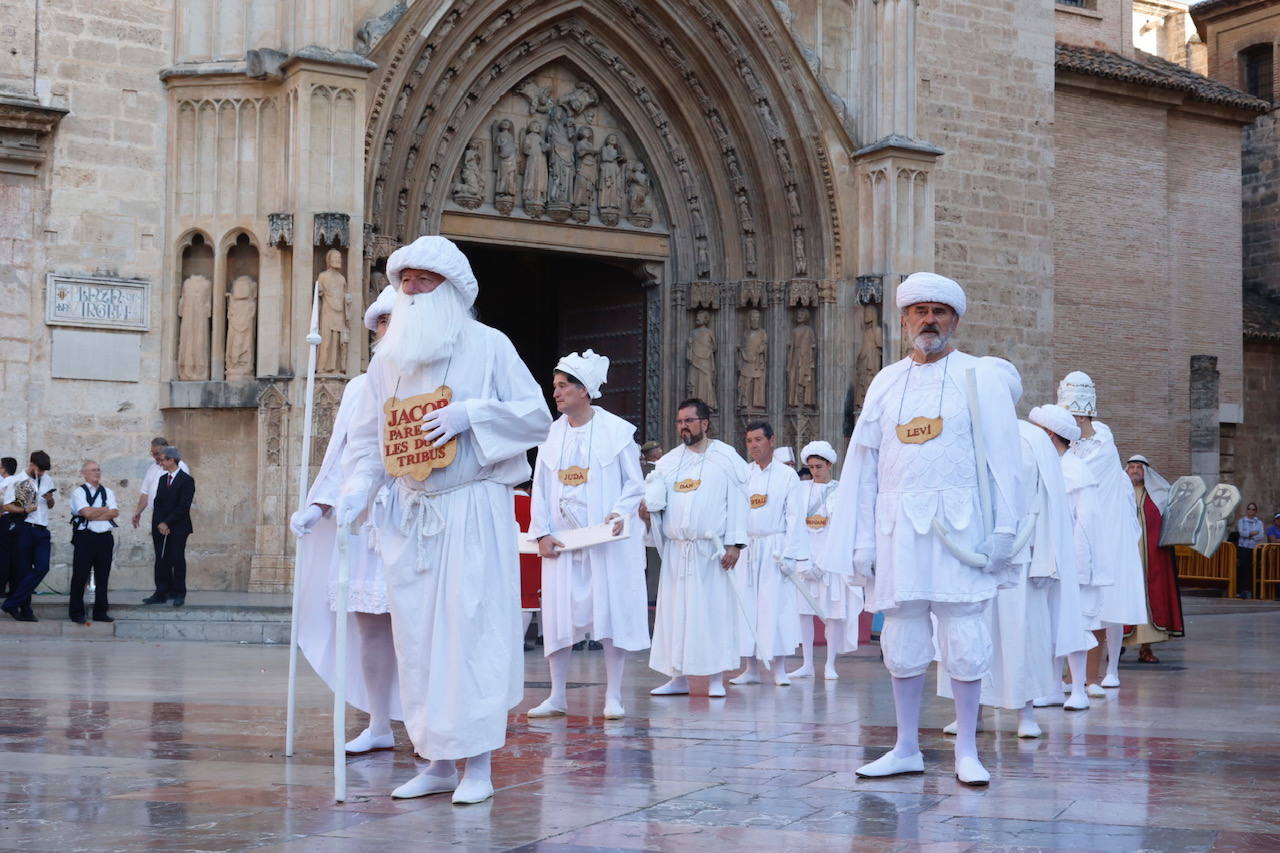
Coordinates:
(929,528)
(436,446)
(588,473)
(371,660)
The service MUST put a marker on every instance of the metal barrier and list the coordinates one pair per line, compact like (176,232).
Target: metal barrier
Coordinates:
(1193,567)
(1266,571)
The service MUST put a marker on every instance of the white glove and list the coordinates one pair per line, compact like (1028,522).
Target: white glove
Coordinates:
(999,550)
(304,519)
(444,423)
(349,508)
(787,566)
(864,562)
(811,572)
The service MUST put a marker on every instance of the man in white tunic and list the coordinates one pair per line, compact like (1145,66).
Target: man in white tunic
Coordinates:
(777,548)
(588,473)
(1118,554)
(695,511)
(840,602)
(436,445)
(927,527)
(371,683)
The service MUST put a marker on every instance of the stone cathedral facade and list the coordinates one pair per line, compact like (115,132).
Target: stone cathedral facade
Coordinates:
(721,196)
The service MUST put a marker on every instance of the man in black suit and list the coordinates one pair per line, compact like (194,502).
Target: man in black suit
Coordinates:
(170,527)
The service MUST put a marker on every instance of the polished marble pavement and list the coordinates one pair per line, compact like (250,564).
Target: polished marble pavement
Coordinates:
(128,745)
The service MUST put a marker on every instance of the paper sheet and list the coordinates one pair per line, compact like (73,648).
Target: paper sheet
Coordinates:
(583,537)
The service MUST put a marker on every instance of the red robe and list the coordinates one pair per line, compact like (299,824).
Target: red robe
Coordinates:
(530,564)
(1162,580)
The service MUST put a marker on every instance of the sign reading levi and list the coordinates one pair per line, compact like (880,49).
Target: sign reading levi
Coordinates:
(405,450)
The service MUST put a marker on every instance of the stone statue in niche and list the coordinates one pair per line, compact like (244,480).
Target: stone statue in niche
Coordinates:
(749,252)
(587,174)
(745,220)
(377,282)
(611,162)
(560,134)
(802,361)
(195,307)
(334,300)
(504,166)
(534,191)
(703,258)
(639,192)
(539,97)
(793,202)
(468,191)
(753,360)
(582,96)
(242,323)
(870,353)
(802,260)
(701,354)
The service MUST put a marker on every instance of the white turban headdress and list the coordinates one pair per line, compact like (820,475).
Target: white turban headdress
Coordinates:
(590,369)
(1008,373)
(931,287)
(1057,420)
(1157,486)
(438,255)
(380,307)
(1078,395)
(784,454)
(821,449)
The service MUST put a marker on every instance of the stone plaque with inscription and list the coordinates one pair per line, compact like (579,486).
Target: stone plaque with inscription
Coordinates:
(97,302)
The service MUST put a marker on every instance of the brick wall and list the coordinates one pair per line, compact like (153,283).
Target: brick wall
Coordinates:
(1102,23)
(1229,34)
(986,99)
(1257,440)
(1261,173)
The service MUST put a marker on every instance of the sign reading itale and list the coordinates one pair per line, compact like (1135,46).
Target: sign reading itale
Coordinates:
(405,450)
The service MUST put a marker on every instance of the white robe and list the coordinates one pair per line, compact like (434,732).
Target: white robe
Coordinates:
(448,543)
(1082,498)
(696,627)
(775,533)
(891,492)
(318,572)
(832,593)
(1118,558)
(598,590)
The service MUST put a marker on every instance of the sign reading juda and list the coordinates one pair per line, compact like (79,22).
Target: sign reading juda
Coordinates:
(405,450)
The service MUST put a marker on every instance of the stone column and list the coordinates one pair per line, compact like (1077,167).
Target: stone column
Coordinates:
(777,324)
(652,279)
(1205,436)
(836,347)
(727,341)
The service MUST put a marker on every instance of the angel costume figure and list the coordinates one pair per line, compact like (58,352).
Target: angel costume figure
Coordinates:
(777,548)
(1164,605)
(840,603)
(436,444)
(695,512)
(1118,560)
(928,528)
(588,473)
(371,682)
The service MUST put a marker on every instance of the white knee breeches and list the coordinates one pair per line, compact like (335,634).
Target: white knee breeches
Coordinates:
(964,641)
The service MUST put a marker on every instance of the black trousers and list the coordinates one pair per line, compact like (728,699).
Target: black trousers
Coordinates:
(90,552)
(171,564)
(1244,570)
(9,531)
(33,564)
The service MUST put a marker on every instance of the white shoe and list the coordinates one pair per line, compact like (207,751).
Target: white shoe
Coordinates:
(950,728)
(971,772)
(613,710)
(471,792)
(1077,702)
(1046,702)
(747,677)
(781,679)
(891,765)
(674,687)
(426,783)
(366,741)
(715,688)
(1029,728)
(1111,680)
(802,672)
(1095,692)
(547,709)
(830,674)
(1066,687)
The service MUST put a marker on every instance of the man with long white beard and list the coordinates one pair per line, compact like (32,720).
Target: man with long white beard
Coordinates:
(588,473)
(840,603)
(371,658)
(1118,558)
(436,446)
(777,548)
(928,529)
(695,510)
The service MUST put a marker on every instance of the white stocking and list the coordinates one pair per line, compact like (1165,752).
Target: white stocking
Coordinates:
(967,695)
(558,662)
(477,768)
(907,695)
(835,641)
(1078,663)
(614,661)
(1115,639)
(806,642)
(378,665)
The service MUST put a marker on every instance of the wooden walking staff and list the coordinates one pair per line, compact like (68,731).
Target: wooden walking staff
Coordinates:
(313,344)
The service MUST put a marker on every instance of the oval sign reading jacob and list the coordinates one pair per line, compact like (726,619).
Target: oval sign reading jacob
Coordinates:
(405,451)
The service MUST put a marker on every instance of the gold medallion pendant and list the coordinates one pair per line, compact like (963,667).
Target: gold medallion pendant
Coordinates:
(405,449)
(816,522)
(688,485)
(758,501)
(919,429)
(574,475)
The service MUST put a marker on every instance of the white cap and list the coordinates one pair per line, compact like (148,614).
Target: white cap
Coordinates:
(1008,373)
(380,307)
(821,449)
(1057,420)
(590,369)
(931,287)
(784,454)
(1078,395)
(438,255)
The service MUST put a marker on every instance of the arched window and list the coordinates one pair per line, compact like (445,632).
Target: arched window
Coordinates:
(1256,71)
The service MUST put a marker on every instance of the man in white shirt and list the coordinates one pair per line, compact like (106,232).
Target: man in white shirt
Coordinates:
(10,518)
(152,476)
(33,541)
(93,514)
